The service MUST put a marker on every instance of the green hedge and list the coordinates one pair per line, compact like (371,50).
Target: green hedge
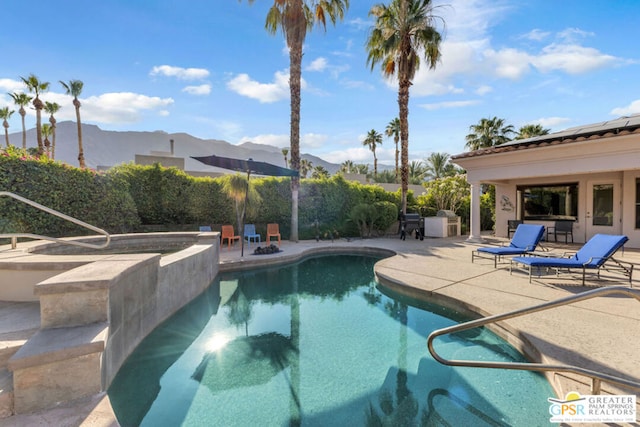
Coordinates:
(103,200)
(133,198)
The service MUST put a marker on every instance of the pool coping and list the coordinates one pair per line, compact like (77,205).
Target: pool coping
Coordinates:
(398,271)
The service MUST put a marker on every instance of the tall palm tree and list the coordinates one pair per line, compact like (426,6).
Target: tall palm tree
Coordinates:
(74,88)
(295,18)
(417,172)
(403,32)
(372,140)
(5,115)
(437,166)
(305,167)
(34,85)
(22,99)
(529,131)
(285,151)
(488,133)
(46,133)
(393,130)
(52,108)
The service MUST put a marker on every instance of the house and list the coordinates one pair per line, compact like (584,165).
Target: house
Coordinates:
(589,175)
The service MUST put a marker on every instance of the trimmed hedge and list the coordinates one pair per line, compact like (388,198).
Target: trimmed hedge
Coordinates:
(133,198)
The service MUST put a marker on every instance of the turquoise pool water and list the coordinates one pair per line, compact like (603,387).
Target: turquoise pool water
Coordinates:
(316,343)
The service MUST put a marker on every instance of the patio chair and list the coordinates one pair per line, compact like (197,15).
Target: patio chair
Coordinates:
(229,234)
(205,228)
(273,230)
(525,240)
(593,255)
(562,227)
(512,226)
(250,234)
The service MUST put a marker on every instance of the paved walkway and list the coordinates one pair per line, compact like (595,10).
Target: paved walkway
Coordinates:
(602,334)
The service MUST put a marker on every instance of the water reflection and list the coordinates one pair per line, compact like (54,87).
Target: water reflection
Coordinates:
(315,343)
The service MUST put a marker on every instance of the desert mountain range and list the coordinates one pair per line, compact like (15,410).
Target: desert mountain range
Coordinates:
(104,148)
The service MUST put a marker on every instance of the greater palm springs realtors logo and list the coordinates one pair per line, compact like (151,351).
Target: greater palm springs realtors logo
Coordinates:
(593,409)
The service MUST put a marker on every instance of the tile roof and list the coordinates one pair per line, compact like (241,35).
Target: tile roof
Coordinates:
(621,126)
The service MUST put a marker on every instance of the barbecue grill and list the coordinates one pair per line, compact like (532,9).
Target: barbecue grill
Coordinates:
(409,223)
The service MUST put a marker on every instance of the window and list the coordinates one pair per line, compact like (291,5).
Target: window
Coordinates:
(637,202)
(549,202)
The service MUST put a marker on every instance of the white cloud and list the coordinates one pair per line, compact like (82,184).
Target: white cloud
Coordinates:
(11,86)
(536,35)
(483,90)
(179,72)
(571,59)
(449,104)
(204,89)
(279,141)
(509,63)
(263,92)
(121,107)
(318,64)
(633,108)
(551,122)
(307,141)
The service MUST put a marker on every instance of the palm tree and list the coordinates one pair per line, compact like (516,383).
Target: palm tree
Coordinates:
(74,88)
(305,167)
(295,18)
(319,172)
(372,140)
(51,108)
(34,85)
(22,99)
(347,167)
(393,130)
(488,133)
(417,172)
(437,166)
(361,169)
(244,195)
(46,133)
(5,115)
(285,151)
(403,31)
(529,131)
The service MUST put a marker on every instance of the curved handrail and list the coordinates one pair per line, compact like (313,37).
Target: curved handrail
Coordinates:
(541,367)
(14,236)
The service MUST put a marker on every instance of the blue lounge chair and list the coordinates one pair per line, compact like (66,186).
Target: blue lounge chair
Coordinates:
(250,234)
(592,256)
(525,240)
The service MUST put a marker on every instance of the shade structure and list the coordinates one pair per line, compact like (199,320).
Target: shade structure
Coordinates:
(249,166)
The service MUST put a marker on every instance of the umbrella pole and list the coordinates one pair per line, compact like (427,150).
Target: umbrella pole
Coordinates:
(244,213)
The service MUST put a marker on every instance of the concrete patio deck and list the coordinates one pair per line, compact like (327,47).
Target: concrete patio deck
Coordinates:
(601,334)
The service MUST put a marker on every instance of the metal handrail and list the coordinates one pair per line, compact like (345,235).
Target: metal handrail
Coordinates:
(14,236)
(595,376)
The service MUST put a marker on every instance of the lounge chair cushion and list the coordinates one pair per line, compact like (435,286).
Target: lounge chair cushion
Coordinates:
(593,254)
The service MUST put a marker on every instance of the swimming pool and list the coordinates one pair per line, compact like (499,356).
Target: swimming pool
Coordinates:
(317,343)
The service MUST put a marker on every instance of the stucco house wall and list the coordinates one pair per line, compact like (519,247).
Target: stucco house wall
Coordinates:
(602,153)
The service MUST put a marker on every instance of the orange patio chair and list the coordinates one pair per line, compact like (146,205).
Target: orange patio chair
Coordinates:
(273,230)
(228,233)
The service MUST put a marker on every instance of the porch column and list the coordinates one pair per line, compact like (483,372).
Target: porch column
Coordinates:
(474,233)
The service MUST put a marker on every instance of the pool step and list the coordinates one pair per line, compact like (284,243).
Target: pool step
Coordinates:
(59,364)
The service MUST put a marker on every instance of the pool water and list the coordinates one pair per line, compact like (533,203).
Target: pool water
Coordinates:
(317,343)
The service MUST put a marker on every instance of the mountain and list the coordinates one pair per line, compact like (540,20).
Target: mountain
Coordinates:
(103,148)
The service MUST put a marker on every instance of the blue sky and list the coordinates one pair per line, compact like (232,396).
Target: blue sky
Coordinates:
(210,69)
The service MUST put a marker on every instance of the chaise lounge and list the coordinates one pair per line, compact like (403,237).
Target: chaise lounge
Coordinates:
(592,256)
(525,240)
